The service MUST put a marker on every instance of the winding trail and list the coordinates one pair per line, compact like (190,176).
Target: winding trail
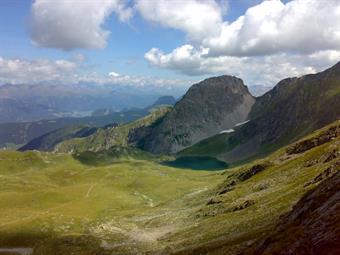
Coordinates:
(21,251)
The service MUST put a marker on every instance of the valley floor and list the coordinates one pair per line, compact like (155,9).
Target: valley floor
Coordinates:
(54,204)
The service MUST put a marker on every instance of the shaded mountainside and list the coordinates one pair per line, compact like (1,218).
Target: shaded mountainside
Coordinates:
(113,155)
(24,132)
(208,107)
(105,138)
(15,134)
(48,141)
(292,109)
(312,227)
(286,203)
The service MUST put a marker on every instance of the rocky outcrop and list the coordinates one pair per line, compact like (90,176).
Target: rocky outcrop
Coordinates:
(292,109)
(213,105)
(312,227)
(308,144)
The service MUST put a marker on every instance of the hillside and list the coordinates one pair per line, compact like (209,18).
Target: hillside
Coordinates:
(62,204)
(211,106)
(312,227)
(48,141)
(14,135)
(292,109)
(245,210)
(104,138)
(21,133)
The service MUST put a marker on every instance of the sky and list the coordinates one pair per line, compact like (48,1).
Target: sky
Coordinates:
(165,43)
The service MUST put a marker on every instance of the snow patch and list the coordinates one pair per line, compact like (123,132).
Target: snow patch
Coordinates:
(241,123)
(227,131)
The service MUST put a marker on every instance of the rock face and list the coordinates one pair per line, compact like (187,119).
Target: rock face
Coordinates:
(213,105)
(312,227)
(294,108)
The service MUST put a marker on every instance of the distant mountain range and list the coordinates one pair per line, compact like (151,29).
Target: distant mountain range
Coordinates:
(17,134)
(219,117)
(26,103)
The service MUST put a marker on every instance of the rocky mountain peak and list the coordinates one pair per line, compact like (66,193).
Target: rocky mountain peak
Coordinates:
(209,107)
(229,83)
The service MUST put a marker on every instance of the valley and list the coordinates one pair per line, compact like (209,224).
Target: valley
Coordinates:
(57,204)
(170,127)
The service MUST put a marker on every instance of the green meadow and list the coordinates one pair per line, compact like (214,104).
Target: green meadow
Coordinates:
(62,204)
(46,197)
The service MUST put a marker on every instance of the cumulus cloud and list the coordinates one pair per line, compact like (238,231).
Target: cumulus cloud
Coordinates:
(263,70)
(299,26)
(25,71)
(197,18)
(271,41)
(70,24)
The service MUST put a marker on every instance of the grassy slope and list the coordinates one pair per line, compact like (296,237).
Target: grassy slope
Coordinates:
(51,196)
(23,132)
(273,192)
(63,206)
(106,138)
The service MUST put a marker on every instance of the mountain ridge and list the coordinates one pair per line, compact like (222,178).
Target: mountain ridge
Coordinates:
(292,109)
(208,107)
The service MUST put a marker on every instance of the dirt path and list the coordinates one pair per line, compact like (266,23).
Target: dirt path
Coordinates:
(94,184)
(20,251)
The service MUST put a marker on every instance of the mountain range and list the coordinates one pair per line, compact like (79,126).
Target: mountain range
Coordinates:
(268,180)
(218,117)
(16,134)
(292,109)
(32,102)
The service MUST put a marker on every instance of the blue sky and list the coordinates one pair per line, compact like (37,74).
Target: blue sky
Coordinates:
(126,45)
(166,40)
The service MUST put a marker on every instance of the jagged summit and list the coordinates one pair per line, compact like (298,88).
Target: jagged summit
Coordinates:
(292,109)
(210,106)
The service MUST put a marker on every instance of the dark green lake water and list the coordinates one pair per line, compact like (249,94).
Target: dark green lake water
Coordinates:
(197,163)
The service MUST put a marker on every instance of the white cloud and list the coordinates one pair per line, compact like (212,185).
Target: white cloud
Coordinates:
(299,26)
(271,41)
(113,74)
(263,70)
(197,18)
(271,27)
(70,24)
(23,71)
